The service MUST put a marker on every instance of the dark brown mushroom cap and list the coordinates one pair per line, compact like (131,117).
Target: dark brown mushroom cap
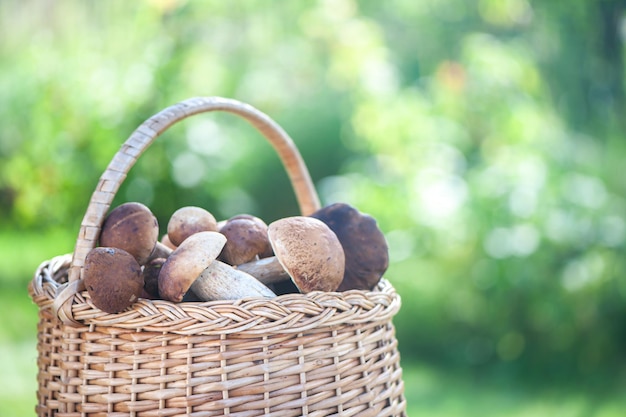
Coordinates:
(187,221)
(133,228)
(364,245)
(309,251)
(245,240)
(112,278)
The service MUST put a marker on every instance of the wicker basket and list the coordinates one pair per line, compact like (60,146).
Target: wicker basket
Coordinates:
(319,354)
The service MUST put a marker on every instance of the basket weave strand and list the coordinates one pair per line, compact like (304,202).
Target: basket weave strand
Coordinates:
(316,354)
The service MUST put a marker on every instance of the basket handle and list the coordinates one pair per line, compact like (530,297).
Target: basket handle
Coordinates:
(112,178)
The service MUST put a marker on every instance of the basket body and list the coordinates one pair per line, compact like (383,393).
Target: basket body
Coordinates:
(319,354)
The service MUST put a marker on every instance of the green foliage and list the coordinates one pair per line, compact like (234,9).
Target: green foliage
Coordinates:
(508,206)
(486,137)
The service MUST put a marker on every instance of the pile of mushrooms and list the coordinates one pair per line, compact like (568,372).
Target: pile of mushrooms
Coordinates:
(336,248)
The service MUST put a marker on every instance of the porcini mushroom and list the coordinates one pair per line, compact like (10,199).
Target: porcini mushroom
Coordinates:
(186,263)
(192,272)
(261,224)
(112,278)
(305,251)
(133,228)
(187,221)
(246,240)
(309,252)
(364,245)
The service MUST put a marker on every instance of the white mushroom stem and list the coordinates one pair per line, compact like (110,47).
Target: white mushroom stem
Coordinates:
(220,281)
(267,270)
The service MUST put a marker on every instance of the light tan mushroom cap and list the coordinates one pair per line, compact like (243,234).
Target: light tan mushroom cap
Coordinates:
(309,251)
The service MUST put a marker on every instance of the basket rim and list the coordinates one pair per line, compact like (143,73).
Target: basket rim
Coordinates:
(287,313)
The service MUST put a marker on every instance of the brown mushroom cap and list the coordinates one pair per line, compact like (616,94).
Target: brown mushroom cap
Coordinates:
(133,228)
(245,240)
(309,251)
(261,224)
(189,220)
(364,245)
(112,278)
(187,262)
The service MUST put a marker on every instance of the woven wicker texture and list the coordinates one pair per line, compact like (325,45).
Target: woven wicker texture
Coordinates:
(316,354)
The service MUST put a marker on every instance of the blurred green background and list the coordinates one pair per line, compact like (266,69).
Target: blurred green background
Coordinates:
(487,137)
